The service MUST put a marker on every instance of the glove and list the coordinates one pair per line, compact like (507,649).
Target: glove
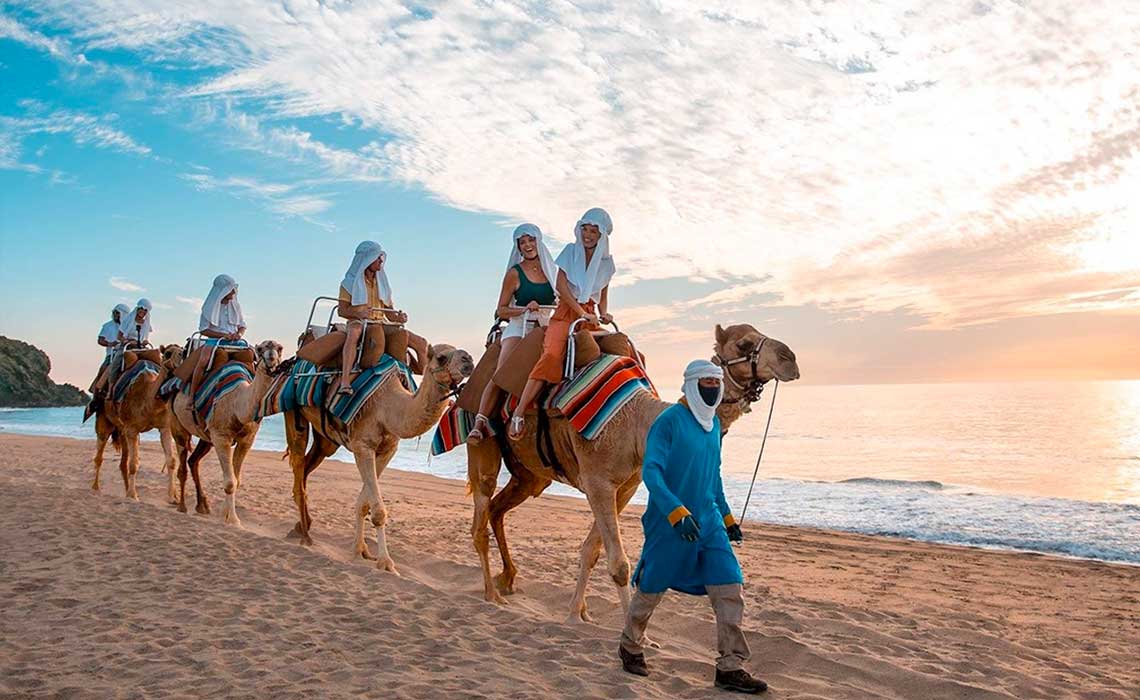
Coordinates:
(688,529)
(735,534)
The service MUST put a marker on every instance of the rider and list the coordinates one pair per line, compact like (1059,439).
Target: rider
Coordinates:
(526,289)
(585,270)
(108,339)
(134,332)
(221,322)
(365,294)
(688,525)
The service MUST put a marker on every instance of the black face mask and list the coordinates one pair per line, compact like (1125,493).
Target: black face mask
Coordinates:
(709,394)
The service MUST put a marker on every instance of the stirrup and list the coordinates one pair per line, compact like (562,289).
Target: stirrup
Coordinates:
(512,432)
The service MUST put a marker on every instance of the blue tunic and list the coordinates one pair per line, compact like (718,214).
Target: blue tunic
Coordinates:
(682,473)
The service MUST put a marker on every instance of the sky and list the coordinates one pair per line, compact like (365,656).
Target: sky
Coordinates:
(901,191)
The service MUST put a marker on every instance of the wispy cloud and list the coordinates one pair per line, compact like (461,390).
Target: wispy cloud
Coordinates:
(963,162)
(281,198)
(192,303)
(124,284)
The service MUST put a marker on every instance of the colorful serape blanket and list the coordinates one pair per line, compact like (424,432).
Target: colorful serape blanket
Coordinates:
(131,376)
(452,430)
(308,385)
(594,396)
(227,378)
(170,387)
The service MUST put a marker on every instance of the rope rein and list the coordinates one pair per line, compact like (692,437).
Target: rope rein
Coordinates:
(763,442)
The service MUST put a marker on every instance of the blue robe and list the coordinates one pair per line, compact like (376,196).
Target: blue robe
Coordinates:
(682,472)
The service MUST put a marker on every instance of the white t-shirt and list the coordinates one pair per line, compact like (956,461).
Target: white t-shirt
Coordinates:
(132,332)
(110,333)
(228,321)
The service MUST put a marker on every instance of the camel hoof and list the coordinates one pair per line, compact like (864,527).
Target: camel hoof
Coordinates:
(95,486)
(232,519)
(203,507)
(579,618)
(306,541)
(506,585)
(364,553)
(295,533)
(494,597)
(387,565)
(181,507)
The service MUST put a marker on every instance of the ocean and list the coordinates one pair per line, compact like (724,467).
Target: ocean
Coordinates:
(1042,467)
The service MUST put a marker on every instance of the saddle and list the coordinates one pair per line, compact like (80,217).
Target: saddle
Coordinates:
(130,357)
(222,356)
(378,339)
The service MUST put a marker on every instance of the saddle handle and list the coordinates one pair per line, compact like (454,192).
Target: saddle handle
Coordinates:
(568,368)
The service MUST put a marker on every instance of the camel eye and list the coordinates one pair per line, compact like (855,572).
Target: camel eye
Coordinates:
(745,346)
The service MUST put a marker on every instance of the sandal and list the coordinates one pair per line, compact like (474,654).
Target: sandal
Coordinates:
(477,435)
(516,429)
(343,391)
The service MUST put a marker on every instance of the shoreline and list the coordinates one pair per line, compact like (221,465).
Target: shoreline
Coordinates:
(829,614)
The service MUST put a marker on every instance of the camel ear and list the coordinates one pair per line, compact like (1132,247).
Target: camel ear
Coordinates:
(721,336)
(431,352)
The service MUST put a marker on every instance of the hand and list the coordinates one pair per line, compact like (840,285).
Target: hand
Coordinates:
(688,529)
(590,319)
(240,333)
(606,318)
(402,317)
(532,306)
(735,534)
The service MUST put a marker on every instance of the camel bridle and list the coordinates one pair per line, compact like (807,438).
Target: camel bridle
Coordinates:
(749,391)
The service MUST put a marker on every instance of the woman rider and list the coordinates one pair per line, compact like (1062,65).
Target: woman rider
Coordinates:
(221,322)
(366,295)
(585,271)
(526,288)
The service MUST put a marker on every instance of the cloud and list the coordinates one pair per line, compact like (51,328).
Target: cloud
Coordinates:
(901,157)
(278,197)
(125,285)
(194,303)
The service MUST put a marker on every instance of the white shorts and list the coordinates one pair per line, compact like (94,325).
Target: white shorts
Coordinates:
(520,325)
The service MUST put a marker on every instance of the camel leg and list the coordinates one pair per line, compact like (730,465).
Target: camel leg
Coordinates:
(243,447)
(370,502)
(136,457)
(484,462)
(297,440)
(592,549)
(322,449)
(101,438)
(202,505)
(168,463)
(128,463)
(522,486)
(229,482)
(602,496)
(183,442)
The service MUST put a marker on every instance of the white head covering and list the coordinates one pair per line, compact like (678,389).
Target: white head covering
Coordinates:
(133,330)
(123,310)
(367,253)
(110,329)
(544,257)
(219,316)
(588,281)
(697,370)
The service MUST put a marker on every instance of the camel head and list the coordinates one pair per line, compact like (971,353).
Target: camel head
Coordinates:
(269,354)
(750,359)
(456,364)
(171,356)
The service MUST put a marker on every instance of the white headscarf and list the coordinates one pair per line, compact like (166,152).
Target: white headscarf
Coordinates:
(110,329)
(544,257)
(696,371)
(588,281)
(219,316)
(131,329)
(367,253)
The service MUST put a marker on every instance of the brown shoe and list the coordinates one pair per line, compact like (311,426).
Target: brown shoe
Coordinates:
(739,681)
(633,663)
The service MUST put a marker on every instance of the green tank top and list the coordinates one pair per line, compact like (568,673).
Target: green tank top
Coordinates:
(530,291)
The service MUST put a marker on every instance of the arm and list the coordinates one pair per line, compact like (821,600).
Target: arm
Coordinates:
(567,295)
(346,310)
(510,286)
(657,446)
(211,333)
(604,305)
(105,343)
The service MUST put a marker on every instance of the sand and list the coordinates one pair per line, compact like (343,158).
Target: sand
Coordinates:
(109,598)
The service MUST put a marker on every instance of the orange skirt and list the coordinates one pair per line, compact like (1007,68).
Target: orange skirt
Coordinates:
(550,365)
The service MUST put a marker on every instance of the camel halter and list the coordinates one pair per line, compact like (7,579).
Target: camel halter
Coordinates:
(750,392)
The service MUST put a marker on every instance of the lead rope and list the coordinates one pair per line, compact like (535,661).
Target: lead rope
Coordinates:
(756,471)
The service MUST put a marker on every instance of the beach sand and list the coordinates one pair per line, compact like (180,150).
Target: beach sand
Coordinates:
(109,598)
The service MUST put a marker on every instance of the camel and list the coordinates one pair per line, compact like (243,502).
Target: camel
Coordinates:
(607,469)
(391,414)
(139,411)
(231,430)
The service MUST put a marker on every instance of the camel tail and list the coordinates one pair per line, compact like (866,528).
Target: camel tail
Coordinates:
(116,442)
(285,454)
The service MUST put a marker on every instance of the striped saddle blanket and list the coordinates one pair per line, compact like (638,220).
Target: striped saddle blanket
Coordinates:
(221,382)
(308,385)
(128,378)
(170,387)
(589,401)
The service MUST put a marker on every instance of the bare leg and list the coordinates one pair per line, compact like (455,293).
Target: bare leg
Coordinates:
(492,394)
(420,345)
(530,392)
(348,353)
(483,465)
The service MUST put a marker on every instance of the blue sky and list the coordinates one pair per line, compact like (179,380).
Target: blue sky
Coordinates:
(893,193)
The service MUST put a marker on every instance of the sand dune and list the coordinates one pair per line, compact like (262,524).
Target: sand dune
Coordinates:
(109,598)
